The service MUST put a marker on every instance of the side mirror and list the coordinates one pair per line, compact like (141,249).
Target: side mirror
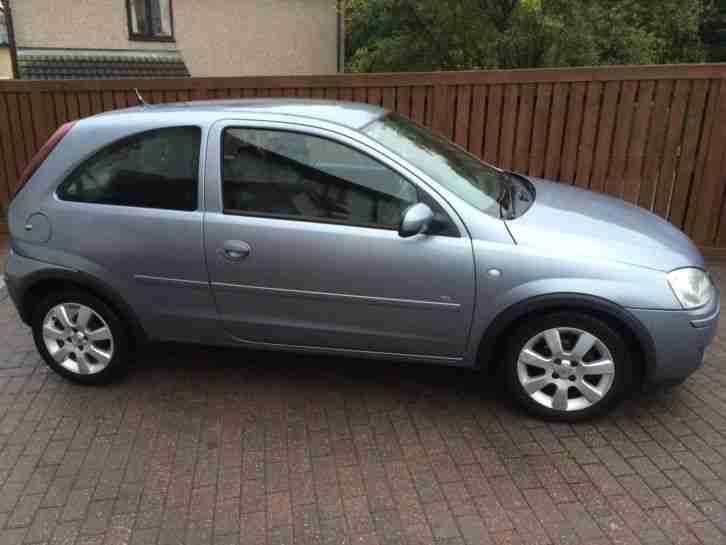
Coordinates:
(416,219)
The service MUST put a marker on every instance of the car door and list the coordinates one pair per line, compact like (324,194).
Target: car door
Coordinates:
(303,249)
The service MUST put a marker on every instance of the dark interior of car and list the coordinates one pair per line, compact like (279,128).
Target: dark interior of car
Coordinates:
(129,188)
(263,181)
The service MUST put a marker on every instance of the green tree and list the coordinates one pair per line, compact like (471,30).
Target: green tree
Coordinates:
(713,30)
(406,35)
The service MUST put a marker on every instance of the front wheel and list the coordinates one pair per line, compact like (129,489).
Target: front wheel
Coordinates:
(568,366)
(80,337)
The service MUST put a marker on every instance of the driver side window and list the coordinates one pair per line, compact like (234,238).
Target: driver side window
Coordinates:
(299,176)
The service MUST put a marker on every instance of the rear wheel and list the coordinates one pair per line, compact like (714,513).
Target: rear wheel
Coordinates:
(80,337)
(568,366)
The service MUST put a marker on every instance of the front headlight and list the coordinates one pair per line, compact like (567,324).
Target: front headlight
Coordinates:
(692,287)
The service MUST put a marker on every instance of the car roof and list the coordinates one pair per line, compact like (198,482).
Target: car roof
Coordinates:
(353,115)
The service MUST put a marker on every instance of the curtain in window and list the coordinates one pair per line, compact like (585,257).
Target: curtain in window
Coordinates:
(138,17)
(160,17)
(150,17)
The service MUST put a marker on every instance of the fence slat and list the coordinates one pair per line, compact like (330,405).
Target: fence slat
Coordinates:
(555,136)
(477,120)
(704,147)
(61,112)
(96,103)
(656,142)
(346,93)
(539,132)
(523,136)
(360,94)
(389,98)
(672,149)
(17,144)
(685,176)
(375,96)
(494,123)
(441,114)
(463,111)
(614,181)
(403,101)
(8,173)
(652,135)
(636,150)
(589,133)
(713,183)
(27,129)
(418,105)
(509,126)
(606,126)
(84,105)
(119,100)
(573,130)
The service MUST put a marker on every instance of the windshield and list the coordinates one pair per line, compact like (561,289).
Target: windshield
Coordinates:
(477,183)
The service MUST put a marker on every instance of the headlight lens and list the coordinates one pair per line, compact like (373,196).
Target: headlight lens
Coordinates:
(692,287)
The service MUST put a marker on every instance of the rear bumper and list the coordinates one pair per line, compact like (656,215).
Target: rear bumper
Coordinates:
(680,338)
(20,272)
(13,282)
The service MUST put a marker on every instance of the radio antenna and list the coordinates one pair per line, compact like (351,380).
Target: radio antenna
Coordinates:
(140,98)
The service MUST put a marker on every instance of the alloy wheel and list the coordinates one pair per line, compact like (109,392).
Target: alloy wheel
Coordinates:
(78,338)
(565,369)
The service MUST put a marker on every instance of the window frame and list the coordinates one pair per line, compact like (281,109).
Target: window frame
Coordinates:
(140,37)
(420,192)
(199,207)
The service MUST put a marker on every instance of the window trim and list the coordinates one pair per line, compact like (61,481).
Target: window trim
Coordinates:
(140,37)
(308,219)
(199,207)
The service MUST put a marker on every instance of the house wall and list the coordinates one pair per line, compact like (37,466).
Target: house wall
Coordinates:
(6,64)
(216,37)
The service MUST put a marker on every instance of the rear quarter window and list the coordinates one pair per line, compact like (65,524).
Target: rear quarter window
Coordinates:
(152,169)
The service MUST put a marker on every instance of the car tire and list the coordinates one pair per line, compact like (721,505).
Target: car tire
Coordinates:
(80,337)
(568,379)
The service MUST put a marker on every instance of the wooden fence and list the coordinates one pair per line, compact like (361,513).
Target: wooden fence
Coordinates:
(652,135)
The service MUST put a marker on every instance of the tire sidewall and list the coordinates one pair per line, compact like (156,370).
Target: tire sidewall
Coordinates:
(614,341)
(115,367)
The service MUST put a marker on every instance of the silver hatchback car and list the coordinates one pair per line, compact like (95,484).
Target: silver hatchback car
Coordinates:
(343,228)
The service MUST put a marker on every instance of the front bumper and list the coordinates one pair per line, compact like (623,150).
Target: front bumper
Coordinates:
(680,338)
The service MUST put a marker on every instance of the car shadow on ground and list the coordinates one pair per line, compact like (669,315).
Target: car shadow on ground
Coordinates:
(238,364)
(209,371)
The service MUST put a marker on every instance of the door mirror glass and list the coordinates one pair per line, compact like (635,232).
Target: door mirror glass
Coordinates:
(416,219)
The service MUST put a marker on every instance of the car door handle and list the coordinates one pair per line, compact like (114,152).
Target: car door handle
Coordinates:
(236,250)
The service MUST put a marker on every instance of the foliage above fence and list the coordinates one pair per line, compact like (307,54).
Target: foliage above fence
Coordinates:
(653,135)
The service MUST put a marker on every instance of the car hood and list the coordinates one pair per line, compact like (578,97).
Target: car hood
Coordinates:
(573,221)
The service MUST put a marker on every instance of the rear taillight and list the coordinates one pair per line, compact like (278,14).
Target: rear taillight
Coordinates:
(43,154)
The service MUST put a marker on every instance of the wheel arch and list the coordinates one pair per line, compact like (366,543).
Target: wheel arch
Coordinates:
(41,283)
(639,339)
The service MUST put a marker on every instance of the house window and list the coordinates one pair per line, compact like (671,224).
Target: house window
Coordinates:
(150,20)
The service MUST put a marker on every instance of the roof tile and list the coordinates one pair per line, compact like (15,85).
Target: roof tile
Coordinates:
(99,64)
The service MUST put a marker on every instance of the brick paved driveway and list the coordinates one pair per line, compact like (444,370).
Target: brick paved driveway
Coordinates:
(207,446)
